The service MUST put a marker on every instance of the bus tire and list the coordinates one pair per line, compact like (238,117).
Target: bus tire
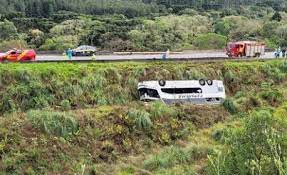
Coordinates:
(162,82)
(202,82)
(209,82)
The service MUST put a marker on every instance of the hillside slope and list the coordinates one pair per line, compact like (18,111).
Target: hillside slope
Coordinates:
(86,119)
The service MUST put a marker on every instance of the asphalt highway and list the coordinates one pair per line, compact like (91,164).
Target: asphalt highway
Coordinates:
(184,56)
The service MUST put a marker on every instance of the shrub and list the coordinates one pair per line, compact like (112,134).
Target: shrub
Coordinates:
(232,80)
(159,109)
(65,104)
(230,106)
(140,118)
(7,105)
(54,123)
(229,76)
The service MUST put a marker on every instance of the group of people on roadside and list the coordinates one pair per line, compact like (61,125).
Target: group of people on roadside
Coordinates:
(280,52)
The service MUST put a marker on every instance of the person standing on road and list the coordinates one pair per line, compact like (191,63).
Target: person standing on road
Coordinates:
(283,52)
(70,53)
(166,55)
(277,52)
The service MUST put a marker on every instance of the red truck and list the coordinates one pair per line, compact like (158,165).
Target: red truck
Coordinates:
(245,49)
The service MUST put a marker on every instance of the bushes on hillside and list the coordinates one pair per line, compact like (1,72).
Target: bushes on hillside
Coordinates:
(8,31)
(10,44)
(60,43)
(86,85)
(210,41)
(169,32)
(258,147)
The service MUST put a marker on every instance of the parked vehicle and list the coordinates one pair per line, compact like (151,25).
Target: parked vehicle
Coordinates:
(245,49)
(18,55)
(84,51)
(190,91)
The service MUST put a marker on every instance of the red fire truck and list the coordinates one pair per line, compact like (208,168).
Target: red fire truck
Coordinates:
(245,49)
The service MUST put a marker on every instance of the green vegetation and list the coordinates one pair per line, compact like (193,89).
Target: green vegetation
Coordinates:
(86,119)
(140,25)
(265,153)
(87,85)
(54,123)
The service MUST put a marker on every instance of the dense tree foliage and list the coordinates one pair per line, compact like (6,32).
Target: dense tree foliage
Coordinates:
(142,25)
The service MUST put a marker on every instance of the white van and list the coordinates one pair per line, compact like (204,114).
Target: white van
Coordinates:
(189,91)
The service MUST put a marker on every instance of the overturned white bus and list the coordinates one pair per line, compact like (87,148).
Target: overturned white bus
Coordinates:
(189,91)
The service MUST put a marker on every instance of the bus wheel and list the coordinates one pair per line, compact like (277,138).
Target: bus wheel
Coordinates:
(209,82)
(202,82)
(162,82)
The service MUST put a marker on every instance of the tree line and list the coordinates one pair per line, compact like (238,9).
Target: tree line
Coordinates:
(140,25)
(130,8)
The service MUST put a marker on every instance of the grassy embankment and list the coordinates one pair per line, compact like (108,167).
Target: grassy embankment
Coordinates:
(86,119)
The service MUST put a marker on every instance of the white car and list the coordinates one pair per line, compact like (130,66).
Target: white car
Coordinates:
(189,91)
(84,51)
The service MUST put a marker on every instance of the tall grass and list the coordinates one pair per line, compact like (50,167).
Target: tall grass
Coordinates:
(173,155)
(54,123)
(159,109)
(276,74)
(141,118)
(167,158)
(271,94)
